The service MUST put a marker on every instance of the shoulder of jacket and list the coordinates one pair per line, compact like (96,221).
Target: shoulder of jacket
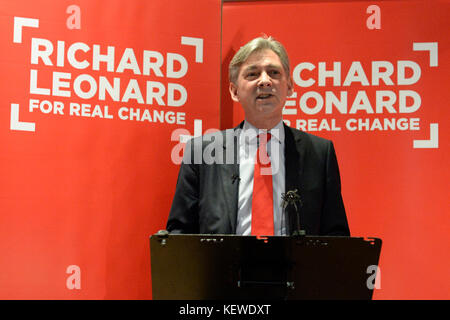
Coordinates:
(298,134)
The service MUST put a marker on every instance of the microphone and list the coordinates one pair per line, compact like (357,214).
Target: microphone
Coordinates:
(292,198)
(235,177)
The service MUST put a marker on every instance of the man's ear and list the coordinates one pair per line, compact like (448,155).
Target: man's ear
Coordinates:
(233,92)
(290,87)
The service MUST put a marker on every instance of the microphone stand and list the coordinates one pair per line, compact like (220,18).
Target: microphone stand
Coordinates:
(293,198)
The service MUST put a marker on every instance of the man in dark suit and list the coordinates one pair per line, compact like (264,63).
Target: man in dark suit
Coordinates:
(222,187)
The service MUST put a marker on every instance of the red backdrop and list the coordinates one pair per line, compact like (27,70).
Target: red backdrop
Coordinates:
(93,94)
(395,186)
(88,190)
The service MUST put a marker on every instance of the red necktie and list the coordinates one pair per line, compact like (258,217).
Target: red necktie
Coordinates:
(262,199)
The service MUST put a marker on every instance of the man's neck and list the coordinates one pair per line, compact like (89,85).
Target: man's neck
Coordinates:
(264,123)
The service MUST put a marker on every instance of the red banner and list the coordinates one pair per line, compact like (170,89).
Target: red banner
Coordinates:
(373,77)
(92,94)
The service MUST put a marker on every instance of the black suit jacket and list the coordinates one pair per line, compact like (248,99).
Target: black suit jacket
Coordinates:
(206,196)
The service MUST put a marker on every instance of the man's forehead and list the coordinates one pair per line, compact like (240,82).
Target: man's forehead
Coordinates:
(265,57)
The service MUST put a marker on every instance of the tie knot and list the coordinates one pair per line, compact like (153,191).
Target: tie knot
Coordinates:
(264,137)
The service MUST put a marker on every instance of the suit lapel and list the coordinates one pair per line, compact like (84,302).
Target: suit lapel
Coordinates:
(294,156)
(229,174)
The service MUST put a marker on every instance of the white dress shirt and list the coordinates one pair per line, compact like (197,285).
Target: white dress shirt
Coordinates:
(248,145)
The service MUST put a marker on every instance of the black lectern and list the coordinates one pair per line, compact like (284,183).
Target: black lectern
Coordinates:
(230,267)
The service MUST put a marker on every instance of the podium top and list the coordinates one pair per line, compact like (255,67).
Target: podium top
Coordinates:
(217,267)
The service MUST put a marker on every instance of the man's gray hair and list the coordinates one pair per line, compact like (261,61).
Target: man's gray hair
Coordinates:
(256,45)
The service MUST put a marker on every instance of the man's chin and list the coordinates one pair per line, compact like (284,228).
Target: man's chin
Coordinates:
(265,107)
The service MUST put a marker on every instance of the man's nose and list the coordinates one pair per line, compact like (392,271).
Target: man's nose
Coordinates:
(264,80)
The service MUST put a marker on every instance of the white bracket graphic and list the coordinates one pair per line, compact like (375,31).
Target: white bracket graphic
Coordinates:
(434,139)
(198,44)
(432,47)
(433,142)
(15,124)
(19,23)
(197,131)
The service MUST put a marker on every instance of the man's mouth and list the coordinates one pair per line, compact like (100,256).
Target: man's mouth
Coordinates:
(264,96)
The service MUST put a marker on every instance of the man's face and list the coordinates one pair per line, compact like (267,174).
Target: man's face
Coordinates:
(262,86)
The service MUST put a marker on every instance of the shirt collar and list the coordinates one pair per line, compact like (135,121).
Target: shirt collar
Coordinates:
(251,132)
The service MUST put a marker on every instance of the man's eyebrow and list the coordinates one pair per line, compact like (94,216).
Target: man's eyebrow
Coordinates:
(275,66)
(251,67)
(271,66)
